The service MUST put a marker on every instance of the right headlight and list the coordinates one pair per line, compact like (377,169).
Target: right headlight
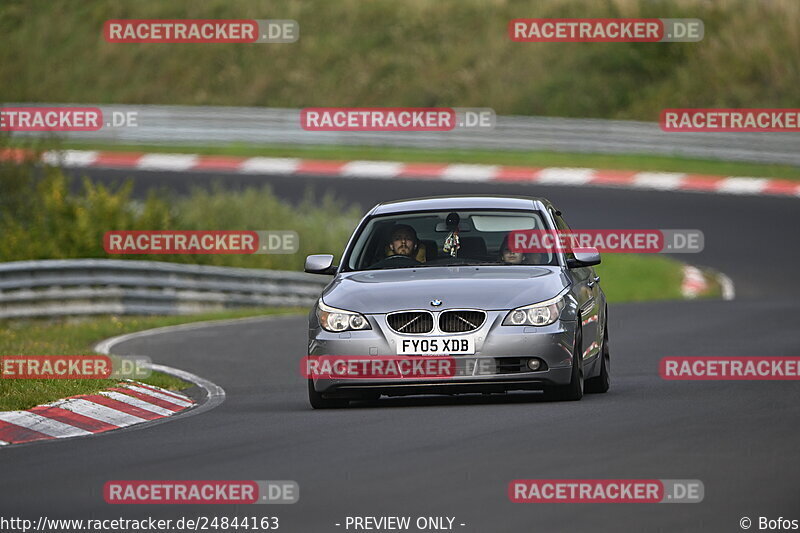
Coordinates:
(540,314)
(336,320)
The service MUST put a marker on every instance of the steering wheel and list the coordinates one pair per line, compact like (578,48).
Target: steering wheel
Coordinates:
(396,261)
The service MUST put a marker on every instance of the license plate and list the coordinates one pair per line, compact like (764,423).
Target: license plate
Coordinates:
(436,346)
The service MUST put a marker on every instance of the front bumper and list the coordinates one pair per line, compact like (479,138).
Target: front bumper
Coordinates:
(498,365)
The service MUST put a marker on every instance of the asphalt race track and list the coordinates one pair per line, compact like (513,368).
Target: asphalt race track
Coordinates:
(455,457)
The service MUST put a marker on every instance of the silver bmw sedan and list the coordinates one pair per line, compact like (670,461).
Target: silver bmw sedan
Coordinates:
(437,282)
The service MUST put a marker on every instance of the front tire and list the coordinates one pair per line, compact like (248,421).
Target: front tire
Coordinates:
(602,382)
(317,401)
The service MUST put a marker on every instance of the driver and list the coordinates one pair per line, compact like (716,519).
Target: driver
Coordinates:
(403,241)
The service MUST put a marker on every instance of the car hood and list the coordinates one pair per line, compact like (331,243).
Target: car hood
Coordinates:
(488,288)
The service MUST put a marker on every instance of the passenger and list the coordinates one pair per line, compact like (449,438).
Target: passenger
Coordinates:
(507,256)
(517,258)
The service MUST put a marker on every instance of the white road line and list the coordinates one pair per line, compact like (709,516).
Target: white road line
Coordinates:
(100,412)
(372,169)
(164,397)
(663,181)
(742,185)
(166,162)
(728,288)
(104,346)
(70,158)
(136,402)
(42,424)
(277,165)
(175,394)
(565,176)
(469,172)
(215,394)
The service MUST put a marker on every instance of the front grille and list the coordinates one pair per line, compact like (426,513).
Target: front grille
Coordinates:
(411,322)
(461,321)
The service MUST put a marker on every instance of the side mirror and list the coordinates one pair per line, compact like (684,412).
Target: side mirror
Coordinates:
(584,257)
(320,264)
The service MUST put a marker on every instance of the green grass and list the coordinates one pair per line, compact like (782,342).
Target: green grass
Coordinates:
(489,157)
(648,277)
(76,336)
(639,278)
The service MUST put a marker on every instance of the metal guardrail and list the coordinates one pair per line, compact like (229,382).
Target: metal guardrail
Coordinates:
(113,286)
(176,125)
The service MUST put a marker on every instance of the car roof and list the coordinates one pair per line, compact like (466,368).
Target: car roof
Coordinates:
(444,203)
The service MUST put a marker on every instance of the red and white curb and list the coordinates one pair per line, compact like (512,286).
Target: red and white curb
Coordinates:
(129,404)
(695,283)
(662,181)
(125,405)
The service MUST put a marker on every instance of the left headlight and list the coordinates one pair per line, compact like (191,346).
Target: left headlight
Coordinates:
(540,314)
(336,320)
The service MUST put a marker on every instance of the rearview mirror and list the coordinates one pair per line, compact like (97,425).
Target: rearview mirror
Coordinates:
(320,264)
(584,257)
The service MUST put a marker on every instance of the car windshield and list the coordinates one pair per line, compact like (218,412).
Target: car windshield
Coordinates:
(446,238)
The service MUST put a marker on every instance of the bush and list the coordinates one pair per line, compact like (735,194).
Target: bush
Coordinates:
(40,218)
